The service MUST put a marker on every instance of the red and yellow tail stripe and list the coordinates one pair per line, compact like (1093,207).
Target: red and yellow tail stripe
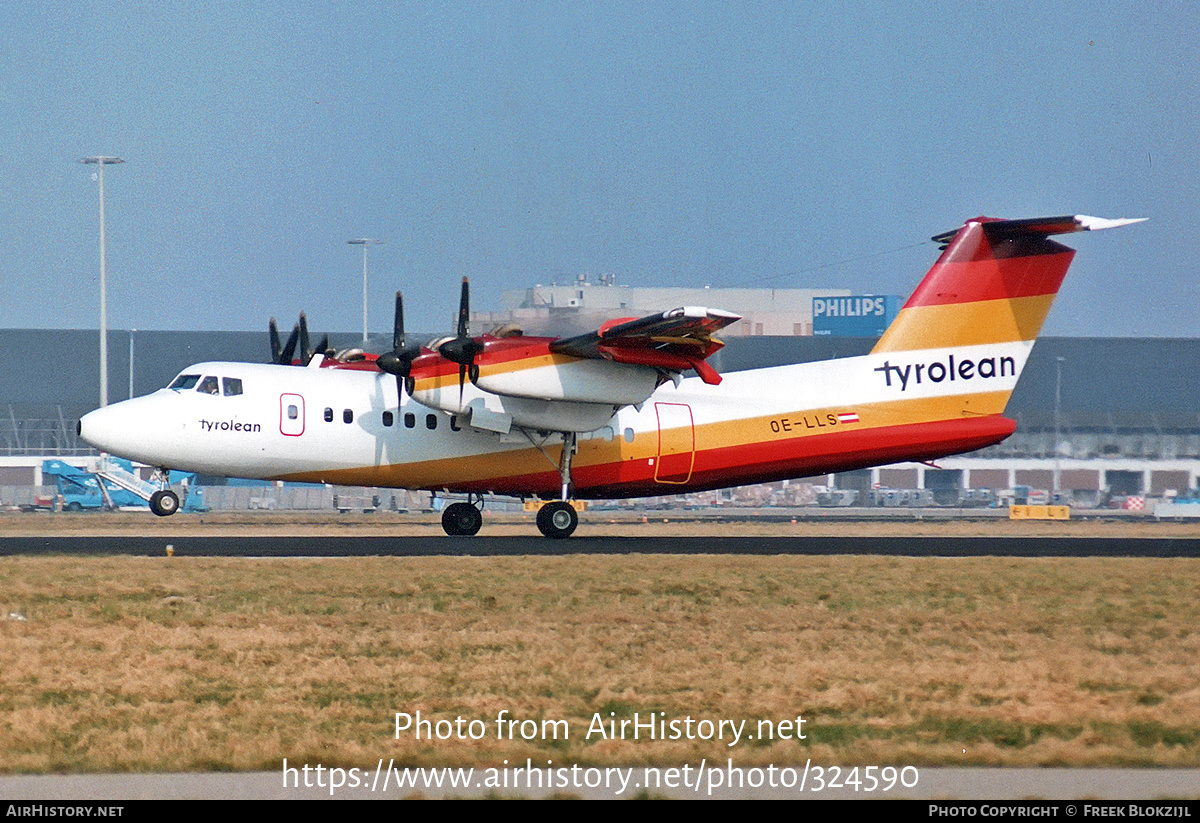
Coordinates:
(994,283)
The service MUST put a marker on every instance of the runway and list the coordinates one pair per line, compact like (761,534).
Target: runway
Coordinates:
(519,545)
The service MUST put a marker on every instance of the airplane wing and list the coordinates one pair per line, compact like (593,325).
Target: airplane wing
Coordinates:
(675,340)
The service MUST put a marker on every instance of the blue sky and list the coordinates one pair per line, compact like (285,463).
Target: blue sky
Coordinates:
(799,144)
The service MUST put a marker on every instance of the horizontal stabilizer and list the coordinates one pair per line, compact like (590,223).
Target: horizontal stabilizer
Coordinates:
(1040,226)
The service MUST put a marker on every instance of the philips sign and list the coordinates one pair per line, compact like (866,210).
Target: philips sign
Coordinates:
(855,316)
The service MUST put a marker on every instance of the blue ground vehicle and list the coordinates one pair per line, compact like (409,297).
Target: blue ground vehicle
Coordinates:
(114,485)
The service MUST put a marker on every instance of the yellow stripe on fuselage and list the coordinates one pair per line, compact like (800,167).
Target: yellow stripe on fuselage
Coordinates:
(785,426)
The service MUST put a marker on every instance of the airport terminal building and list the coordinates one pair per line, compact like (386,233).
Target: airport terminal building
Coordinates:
(584,305)
(1103,420)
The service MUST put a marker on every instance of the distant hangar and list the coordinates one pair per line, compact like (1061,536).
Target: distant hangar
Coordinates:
(1128,423)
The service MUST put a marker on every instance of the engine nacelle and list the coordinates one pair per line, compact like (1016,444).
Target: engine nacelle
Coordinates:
(554,377)
(500,413)
(519,383)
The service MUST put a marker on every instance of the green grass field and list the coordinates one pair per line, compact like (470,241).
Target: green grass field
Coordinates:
(156,664)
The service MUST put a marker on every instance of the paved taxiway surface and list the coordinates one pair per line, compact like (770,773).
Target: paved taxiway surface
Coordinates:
(425,546)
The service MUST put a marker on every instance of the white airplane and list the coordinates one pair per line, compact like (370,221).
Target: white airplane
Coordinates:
(610,414)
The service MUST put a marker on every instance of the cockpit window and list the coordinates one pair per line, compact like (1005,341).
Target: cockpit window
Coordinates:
(185,381)
(231,385)
(208,385)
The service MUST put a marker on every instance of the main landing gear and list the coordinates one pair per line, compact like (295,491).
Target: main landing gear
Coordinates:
(556,519)
(462,519)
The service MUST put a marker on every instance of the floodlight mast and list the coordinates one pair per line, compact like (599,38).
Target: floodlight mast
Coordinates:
(364,242)
(100,161)
(1058,365)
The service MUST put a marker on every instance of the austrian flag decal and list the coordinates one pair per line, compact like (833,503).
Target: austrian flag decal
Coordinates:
(848,417)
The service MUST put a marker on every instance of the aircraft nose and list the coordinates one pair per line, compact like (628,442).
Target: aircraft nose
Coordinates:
(123,428)
(139,429)
(95,428)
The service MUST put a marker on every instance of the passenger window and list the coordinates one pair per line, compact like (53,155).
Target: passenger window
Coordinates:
(454,423)
(388,419)
(232,386)
(328,415)
(410,420)
(347,416)
(431,421)
(293,412)
(208,385)
(185,381)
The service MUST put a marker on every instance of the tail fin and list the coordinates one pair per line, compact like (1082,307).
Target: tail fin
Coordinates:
(993,283)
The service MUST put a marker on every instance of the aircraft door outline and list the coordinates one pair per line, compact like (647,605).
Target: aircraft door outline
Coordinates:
(676,443)
(291,415)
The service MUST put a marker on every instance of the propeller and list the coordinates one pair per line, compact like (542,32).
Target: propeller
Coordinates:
(399,360)
(283,354)
(307,352)
(462,349)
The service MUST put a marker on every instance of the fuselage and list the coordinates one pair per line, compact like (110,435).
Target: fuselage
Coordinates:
(607,414)
(355,427)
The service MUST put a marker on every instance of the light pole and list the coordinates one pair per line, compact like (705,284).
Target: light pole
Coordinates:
(131,333)
(364,242)
(100,162)
(1058,361)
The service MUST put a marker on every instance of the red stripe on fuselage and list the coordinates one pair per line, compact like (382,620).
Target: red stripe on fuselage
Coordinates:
(767,461)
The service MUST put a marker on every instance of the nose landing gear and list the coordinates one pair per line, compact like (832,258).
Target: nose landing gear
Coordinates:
(164,503)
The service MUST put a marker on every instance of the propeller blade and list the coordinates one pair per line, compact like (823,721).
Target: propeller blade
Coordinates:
(402,363)
(305,351)
(398,324)
(289,348)
(276,346)
(464,308)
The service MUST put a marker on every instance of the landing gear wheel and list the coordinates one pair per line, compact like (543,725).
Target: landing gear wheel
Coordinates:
(164,503)
(557,519)
(461,520)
